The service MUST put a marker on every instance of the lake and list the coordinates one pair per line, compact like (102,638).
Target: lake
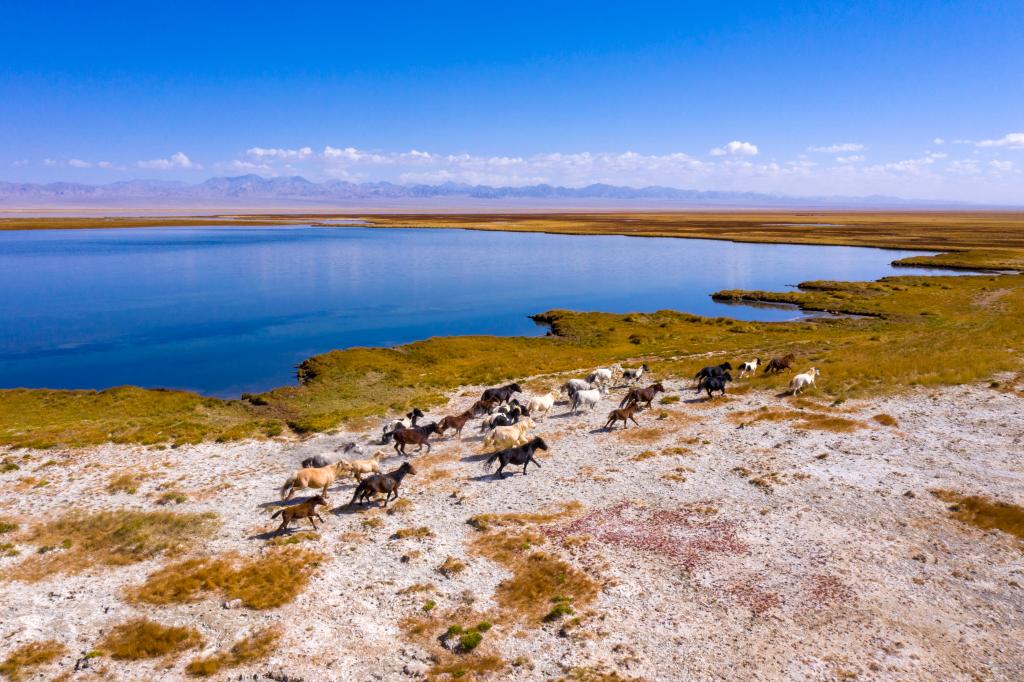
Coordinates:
(223,310)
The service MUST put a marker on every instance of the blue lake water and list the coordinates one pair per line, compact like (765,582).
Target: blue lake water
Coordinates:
(222,310)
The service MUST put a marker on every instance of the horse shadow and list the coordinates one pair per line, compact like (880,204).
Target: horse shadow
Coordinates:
(487,477)
(476,457)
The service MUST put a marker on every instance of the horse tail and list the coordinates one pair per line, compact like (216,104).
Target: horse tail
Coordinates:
(386,438)
(359,489)
(489,462)
(287,484)
(629,395)
(277,513)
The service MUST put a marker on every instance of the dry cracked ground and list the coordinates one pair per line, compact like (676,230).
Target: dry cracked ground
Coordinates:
(746,537)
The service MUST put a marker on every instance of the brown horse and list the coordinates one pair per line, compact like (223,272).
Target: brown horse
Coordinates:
(382,483)
(623,414)
(779,364)
(417,435)
(482,407)
(303,510)
(635,396)
(456,422)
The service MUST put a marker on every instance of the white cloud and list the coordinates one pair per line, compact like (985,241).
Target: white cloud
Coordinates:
(262,152)
(176,160)
(852,158)
(79,163)
(844,147)
(20,163)
(1001,166)
(938,140)
(1009,141)
(736,148)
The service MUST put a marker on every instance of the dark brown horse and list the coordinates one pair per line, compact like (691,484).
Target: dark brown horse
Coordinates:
(456,422)
(622,414)
(776,365)
(382,483)
(416,435)
(635,396)
(482,407)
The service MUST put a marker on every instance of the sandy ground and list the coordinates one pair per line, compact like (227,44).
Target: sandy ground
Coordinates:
(760,551)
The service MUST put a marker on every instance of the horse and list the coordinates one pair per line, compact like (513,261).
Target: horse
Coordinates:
(507,436)
(507,418)
(635,396)
(749,367)
(712,371)
(321,477)
(382,483)
(317,461)
(302,510)
(802,381)
(397,424)
(482,407)
(776,365)
(588,399)
(541,404)
(623,414)
(456,422)
(502,394)
(416,435)
(631,375)
(715,382)
(521,454)
(362,467)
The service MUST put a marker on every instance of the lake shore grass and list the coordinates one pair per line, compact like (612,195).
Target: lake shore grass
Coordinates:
(901,332)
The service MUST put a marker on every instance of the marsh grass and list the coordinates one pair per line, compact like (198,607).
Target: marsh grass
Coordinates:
(141,638)
(263,582)
(254,647)
(985,513)
(109,538)
(23,660)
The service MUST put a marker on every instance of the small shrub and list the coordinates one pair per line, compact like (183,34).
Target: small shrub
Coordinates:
(7,527)
(469,640)
(292,539)
(143,638)
(562,607)
(451,567)
(885,419)
(372,522)
(419,532)
(255,647)
(429,605)
(124,483)
(669,400)
(172,497)
(21,661)
(400,506)
(7,549)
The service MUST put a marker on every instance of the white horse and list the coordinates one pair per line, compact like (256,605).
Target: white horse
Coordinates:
(588,399)
(802,381)
(540,405)
(749,367)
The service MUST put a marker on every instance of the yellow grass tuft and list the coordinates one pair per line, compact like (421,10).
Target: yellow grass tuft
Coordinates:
(109,538)
(487,521)
(984,513)
(23,660)
(254,647)
(124,483)
(419,532)
(885,420)
(143,638)
(264,582)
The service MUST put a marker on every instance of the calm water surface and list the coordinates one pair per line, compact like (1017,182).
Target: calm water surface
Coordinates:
(222,310)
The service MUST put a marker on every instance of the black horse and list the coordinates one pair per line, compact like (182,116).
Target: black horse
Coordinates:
(382,483)
(717,383)
(522,454)
(712,371)
(502,394)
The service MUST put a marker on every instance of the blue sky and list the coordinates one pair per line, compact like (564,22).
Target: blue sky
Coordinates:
(918,99)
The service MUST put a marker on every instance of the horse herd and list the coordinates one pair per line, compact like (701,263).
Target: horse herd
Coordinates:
(506,422)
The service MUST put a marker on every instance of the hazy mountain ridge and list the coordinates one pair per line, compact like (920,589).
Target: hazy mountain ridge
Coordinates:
(296,189)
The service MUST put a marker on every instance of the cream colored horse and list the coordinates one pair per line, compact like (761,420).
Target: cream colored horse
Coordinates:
(321,477)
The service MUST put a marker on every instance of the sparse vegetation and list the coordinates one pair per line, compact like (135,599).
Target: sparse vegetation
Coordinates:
(172,497)
(984,513)
(885,419)
(110,538)
(263,582)
(400,506)
(23,660)
(143,638)
(486,522)
(419,532)
(451,567)
(254,647)
(124,483)
(7,526)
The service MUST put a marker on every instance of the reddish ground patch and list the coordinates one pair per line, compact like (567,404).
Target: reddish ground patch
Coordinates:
(757,599)
(688,535)
(824,590)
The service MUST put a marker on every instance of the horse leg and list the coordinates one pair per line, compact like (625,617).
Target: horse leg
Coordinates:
(428,447)
(634,420)
(311,521)
(526,464)
(501,465)
(283,526)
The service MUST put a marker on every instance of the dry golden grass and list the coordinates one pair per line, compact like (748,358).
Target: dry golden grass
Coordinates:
(400,506)
(469,667)
(263,582)
(124,483)
(592,674)
(538,577)
(109,538)
(642,435)
(451,567)
(293,539)
(885,420)
(418,532)
(23,660)
(984,513)
(143,638)
(488,521)
(664,452)
(254,647)
(802,419)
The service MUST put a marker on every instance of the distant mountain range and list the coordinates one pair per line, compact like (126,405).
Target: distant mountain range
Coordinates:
(254,190)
